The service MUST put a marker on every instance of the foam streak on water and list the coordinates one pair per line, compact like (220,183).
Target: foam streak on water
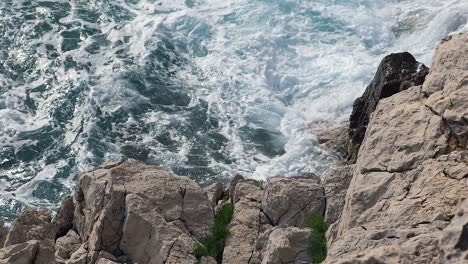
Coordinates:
(204,88)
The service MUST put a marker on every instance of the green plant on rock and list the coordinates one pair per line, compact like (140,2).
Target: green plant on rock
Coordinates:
(259,183)
(318,241)
(213,246)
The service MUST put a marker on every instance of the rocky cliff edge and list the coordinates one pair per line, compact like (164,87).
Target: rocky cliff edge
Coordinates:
(403,201)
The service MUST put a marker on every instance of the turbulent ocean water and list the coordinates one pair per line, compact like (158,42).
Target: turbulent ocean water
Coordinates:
(204,88)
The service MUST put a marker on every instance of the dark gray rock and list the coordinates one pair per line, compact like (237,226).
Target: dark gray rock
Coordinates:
(64,219)
(396,72)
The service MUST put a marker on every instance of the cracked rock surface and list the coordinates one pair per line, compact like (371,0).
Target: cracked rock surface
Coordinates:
(290,200)
(267,223)
(245,226)
(142,212)
(283,245)
(404,201)
(411,174)
(396,72)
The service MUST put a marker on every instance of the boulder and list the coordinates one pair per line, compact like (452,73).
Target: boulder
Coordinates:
(30,252)
(64,218)
(45,253)
(246,224)
(181,251)
(411,174)
(105,257)
(335,139)
(249,189)
(283,245)
(80,256)
(23,253)
(31,225)
(105,261)
(290,200)
(214,193)
(142,212)
(65,246)
(396,72)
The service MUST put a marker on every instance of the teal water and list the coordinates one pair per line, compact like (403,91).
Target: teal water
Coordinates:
(204,88)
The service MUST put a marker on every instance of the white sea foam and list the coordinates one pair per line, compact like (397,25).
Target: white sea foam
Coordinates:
(269,71)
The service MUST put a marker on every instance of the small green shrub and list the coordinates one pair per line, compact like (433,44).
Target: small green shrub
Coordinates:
(318,241)
(259,183)
(214,245)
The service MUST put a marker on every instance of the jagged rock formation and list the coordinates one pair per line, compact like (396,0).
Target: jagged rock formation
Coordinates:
(404,201)
(128,212)
(246,223)
(268,221)
(141,212)
(411,175)
(124,212)
(396,72)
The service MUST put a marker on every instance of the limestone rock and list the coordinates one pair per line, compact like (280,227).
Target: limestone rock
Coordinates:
(30,252)
(290,200)
(249,189)
(454,239)
(246,224)
(208,260)
(284,245)
(140,211)
(64,218)
(105,261)
(336,183)
(413,245)
(80,256)
(179,253)
(106,258)
(396,72)
(447,89)
(232,186)
(31,225)
(214,193)
(3,232)
(45,253)
(65,246)
(388,255)
(335,139)
(411,172)
(24,253)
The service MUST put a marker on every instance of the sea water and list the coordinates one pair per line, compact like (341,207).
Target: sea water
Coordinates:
(204,88)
